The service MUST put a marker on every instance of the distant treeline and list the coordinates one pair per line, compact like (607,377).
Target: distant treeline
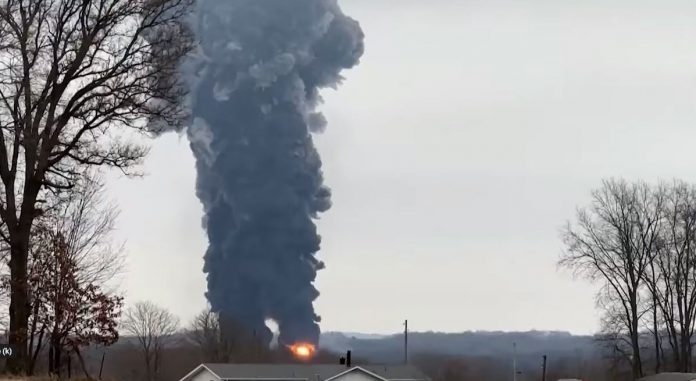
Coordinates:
(486,355)
(390,348)
(443,356)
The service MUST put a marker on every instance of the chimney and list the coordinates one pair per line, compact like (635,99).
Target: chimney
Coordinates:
(348,362)
(342,361)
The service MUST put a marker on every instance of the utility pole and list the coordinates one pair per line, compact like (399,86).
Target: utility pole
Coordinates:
(543,370)
(406,342)
(514,361)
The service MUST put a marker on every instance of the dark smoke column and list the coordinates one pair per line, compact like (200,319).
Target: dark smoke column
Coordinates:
(257,80)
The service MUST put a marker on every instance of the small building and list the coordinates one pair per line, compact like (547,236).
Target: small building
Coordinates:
(303,372)
(670,376)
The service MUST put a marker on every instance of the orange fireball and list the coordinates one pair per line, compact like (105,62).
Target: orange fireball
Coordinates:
(303,351)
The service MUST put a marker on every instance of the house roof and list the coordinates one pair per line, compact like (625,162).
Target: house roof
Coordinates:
(309,372)
(670,377)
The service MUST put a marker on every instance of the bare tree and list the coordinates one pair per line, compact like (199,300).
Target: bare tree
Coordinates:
(206,334)
(153,327)
(672,275)
(72,267)
(614,240)
(74,75)
(86,219)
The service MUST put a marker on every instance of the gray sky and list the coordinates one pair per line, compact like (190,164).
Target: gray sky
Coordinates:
(455,151)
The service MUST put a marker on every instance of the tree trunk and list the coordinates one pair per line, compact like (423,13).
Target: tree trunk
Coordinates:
(662,355)
(689,354)
(54,356)
(19,302)
(148,366)
(36,350)
(658,344)
(58,357)
(674,344)
(685,352)
(658,363)
(155,363)
(51,366)
(82,363)
(636,363)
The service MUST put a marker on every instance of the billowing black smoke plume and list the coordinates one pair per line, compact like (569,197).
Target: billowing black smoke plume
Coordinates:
(257,79)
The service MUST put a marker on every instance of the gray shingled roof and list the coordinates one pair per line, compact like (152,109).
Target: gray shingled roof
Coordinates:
(670,377)
(309,372)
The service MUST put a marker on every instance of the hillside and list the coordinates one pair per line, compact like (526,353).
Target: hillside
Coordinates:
(389,348)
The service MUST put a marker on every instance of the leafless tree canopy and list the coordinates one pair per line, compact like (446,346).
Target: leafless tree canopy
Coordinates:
(639,241)
(206,335)
(614,240)
(86,219)
(74,76)
(71,71)
(671,280)
(153,327)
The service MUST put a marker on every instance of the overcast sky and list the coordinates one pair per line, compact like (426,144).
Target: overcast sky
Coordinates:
(456,150)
